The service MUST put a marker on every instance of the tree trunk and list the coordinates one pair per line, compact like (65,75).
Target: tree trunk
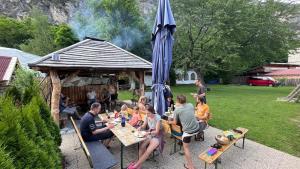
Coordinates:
(56,90)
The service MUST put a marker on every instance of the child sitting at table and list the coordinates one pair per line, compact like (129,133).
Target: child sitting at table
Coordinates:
(123,111)
(136,117)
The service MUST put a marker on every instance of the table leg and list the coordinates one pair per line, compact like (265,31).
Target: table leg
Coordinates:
(244,141)
(205,165)
(138,151)
(122,147)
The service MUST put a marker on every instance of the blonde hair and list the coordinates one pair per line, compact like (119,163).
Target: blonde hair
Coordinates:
(124,107)
(143,98)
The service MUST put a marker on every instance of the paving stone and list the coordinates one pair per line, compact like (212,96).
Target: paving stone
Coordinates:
(254,156)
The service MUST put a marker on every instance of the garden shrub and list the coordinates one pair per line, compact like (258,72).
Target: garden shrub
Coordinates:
(27,129)
(5,160)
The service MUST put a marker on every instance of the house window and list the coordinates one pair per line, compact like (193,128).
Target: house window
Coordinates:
(193,76)
(186,77)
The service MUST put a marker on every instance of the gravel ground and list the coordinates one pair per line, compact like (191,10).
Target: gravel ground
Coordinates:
(254,156)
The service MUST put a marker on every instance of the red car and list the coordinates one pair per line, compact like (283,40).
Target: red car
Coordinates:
(262,81)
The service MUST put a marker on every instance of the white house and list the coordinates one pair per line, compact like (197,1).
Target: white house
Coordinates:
(187,77)
(294,57)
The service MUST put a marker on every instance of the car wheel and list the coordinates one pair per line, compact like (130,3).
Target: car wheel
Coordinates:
(271,85)
(250,84)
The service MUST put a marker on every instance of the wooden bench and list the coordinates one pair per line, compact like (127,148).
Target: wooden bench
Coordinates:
(97,154)
(215,158)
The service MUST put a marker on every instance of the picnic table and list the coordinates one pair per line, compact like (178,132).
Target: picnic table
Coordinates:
(124,134)
(215,158)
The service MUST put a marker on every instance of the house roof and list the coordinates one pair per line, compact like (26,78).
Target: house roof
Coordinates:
(92,53)
(286,72)
(7,67)
(23,57)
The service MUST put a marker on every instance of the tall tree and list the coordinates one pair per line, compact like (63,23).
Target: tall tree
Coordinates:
(13,32)
(42,41)
(227,37)
(63,36)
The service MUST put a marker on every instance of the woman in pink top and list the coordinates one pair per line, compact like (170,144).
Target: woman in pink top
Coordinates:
(136,117)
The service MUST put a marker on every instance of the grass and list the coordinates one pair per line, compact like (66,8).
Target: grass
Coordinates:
(272,123)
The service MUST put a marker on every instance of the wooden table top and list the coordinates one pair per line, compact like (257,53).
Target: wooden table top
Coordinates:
(124,134)
(210,159)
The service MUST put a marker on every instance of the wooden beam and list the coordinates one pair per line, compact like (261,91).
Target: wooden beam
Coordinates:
(56,90)
(70,77)
(142,82)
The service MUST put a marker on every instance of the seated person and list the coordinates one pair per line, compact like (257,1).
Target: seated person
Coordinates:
(91,96)
(154,139)
(105,99)
(203,115)
(184,113)
(66,108)
(90,131)
(136,117)
(123,111)
(141,103)
(170,103)
(202,111)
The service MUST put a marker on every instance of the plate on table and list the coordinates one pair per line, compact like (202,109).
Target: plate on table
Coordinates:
(117,120)
(140,134)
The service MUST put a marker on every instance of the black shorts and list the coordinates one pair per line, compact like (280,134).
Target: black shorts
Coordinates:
(187,139)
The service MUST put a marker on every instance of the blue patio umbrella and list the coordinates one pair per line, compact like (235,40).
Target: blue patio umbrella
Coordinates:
(162,42)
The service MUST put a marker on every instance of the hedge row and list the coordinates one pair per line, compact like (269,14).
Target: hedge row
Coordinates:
(29,137)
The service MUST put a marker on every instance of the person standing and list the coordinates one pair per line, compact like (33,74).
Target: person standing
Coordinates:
(201,90)
(91,96)
(184,113)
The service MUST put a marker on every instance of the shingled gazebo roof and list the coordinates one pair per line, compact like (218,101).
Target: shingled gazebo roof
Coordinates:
(92,54)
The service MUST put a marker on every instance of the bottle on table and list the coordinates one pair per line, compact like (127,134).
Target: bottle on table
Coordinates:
(123,121)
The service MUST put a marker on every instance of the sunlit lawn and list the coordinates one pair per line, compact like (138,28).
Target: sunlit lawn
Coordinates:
(272,123)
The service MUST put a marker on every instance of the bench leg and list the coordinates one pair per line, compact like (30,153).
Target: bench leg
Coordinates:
(216,164)
(122,147)
(204,165)
(243,145)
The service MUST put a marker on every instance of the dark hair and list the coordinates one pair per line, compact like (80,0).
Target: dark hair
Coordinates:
(117,108)
(201,99)
(95,105)
(181,99)
(150,108)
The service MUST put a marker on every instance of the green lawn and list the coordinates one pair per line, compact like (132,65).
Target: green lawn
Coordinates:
(272,123)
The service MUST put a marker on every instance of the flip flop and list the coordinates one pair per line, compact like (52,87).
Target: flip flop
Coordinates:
(185,166)
(130,166)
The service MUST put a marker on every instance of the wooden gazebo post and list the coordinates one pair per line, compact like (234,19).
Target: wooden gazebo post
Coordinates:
(142,82)
(55,97)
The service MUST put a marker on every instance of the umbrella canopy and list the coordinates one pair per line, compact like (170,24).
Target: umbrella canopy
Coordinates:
(162,41)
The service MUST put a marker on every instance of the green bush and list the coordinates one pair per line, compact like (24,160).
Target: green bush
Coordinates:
(27,130)
(5,160)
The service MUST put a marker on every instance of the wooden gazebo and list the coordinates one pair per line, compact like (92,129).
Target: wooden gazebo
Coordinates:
(88,58)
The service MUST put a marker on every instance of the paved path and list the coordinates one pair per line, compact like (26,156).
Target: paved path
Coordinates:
(254,156)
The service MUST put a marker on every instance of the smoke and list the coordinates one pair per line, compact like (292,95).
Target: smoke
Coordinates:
(91,20)
(84,22)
